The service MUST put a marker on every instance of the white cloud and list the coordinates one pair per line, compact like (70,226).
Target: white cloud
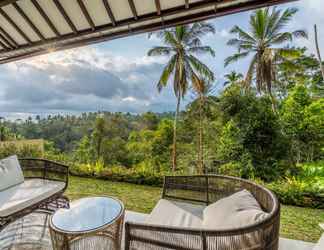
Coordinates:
(83,79)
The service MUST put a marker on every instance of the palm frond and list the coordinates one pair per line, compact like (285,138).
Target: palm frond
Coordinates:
(300,34)
(167,71)
(160,51)
(287,53)
(284,19)
(196,42)
(202,50)
(201,68)
(242,34)
(280,38)
(235,57)
(169,39)
(200,29)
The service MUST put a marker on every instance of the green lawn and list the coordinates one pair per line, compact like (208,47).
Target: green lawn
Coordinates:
(296,223)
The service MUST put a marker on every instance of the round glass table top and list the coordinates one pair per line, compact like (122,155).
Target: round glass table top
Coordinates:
(87,214)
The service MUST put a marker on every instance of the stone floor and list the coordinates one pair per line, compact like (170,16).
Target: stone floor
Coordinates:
(29,233)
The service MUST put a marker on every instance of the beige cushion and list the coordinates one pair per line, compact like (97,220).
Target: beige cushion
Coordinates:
(10,172)
(28,193)
(235,211)
(178,214)
(320,244)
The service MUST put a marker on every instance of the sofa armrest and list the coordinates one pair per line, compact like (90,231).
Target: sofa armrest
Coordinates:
(142,236)
(186,188)
(45,169)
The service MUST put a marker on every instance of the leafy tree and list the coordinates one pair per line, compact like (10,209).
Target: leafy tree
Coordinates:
(98,135)
(182,43)
(262,43)
(265,147)
(233,78)
(203,89)
(303,70)
(303,123)
(85,151)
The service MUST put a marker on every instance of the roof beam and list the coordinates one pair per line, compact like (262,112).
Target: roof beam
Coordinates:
(12,41)
(187,4)
(6,40)
(83,38)
(158,7)
(109,12)
(6,2)
(4,46)
(65,16)
(27,19)
(5,15)
(133,8)
(46,18)
(86,14)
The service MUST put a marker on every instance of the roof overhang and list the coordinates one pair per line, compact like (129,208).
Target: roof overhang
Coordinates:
(35,27)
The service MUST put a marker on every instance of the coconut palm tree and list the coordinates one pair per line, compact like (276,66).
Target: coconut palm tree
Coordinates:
(202,89)
(262,42)
(182,44)
(233,78)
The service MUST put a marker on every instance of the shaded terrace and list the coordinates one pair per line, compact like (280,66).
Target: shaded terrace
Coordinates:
(34,27)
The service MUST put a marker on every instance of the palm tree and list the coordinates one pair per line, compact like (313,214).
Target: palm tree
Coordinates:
(233,78)
(262,43)
(202,89)
(181,45)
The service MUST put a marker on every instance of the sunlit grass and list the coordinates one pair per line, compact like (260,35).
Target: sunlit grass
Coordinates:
(296,223)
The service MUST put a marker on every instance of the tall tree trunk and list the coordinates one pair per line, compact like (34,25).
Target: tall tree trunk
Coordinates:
(174,148)
(273,100)
(318,51)
(200,142)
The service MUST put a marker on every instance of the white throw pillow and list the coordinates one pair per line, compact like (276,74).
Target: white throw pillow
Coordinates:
(235,211)
(10,172)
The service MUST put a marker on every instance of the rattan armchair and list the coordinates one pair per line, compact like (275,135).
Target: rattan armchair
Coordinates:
(44,170)
(205,190)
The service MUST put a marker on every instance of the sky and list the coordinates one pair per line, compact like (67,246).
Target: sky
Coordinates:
(119,76)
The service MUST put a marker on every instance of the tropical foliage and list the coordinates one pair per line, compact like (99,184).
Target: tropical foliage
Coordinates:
(181,45)
(262,43)
(233,131)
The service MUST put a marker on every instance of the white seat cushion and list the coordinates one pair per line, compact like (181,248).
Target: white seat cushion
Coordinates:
(238,210)
(10,172)
(28,193)
(320,244)
(178,214)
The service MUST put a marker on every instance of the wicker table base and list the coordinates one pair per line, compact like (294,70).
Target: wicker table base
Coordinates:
(107,236)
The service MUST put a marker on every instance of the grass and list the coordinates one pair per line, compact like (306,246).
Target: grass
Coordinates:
(296,222)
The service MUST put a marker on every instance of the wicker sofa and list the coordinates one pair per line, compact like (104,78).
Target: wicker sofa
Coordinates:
(202,191)
(41,187)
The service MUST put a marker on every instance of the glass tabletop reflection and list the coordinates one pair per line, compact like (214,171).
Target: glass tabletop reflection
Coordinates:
(87,214)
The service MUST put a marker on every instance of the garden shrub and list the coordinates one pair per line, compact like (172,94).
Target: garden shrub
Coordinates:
(22,150)
(293,191)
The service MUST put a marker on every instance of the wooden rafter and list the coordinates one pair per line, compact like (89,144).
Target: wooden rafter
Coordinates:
(187,4)
(86,14)
(145,23)
(4,46)
(109,12)
(46,18)
(6,2)
(158,7)
(8,37)
(3,38)
(9,20)
(65,16)
(27,19)
(133,8)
